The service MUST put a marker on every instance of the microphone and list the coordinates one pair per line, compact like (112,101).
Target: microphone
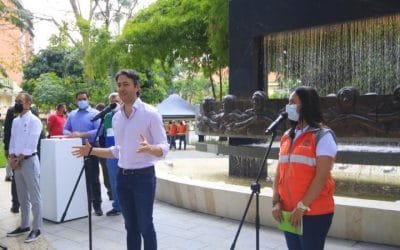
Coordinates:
(276,123)
(104,112)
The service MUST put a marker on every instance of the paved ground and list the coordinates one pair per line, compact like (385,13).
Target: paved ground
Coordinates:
(176,228)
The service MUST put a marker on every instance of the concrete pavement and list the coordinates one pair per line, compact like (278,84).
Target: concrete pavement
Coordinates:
(176,229)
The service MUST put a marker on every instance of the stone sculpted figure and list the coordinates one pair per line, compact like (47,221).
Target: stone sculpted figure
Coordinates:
(350,118)
(255,120)
(206,120)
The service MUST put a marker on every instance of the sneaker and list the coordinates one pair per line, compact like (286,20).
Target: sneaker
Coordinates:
(33,235)
(113,212)
(18,231)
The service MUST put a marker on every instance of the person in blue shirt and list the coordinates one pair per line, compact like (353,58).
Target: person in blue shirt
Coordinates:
(79,125)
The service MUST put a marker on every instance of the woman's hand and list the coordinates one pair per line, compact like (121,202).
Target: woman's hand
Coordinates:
(277,212)
(296,216)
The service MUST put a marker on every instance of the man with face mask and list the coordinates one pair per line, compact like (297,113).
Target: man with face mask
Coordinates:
(79,125)
(25,133)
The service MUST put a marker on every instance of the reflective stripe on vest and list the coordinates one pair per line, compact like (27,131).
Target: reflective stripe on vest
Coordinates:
(298,159)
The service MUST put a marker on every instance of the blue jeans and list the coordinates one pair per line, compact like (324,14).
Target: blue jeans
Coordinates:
(136,192)
(112,167)
(315,229)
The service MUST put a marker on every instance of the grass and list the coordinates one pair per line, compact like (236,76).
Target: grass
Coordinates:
(3,160)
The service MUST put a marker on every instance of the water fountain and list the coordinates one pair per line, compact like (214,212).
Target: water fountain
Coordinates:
(343,48)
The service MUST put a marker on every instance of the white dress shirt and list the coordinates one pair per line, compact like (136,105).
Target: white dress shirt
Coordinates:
(25,133)
(144,120)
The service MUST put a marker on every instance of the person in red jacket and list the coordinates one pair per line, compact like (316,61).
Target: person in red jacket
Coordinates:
(303,185)
(56,121)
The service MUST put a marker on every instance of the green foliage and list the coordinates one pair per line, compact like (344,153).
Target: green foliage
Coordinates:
(168,41)
(61,40)
(218,30)
(3,159)
(50,90)
(63,62)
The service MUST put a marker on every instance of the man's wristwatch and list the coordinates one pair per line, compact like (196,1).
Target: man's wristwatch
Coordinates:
(303,207)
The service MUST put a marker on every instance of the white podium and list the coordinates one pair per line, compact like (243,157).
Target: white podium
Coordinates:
(58,175)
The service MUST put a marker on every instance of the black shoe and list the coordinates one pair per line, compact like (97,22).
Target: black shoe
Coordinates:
(18,231)
(33,235)
(98,211)
(113,212)
(14,209)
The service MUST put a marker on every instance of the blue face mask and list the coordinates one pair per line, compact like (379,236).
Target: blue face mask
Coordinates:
(83,104)
(291,110)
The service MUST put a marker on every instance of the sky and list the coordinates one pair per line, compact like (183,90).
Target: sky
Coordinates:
(59,10)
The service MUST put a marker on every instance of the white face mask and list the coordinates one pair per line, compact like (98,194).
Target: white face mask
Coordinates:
(83,104)
(291,110)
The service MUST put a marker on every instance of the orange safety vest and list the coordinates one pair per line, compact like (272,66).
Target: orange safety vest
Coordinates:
(181,129)
(297,168)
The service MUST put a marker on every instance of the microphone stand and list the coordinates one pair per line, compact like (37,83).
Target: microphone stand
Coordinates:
(255,188)
(88,191)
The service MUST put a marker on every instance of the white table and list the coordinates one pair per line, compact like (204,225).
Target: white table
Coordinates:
(58,174)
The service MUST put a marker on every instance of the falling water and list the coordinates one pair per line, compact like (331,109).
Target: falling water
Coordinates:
(364,54)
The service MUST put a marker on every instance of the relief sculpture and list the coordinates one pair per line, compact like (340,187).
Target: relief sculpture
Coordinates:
(349,114)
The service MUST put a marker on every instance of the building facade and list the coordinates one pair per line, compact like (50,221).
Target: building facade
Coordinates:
(16,46)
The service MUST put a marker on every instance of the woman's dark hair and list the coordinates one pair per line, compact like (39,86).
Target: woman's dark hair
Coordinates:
(310,110)
(60,105)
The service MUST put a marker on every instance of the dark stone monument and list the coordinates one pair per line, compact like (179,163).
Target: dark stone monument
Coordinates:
(249,23)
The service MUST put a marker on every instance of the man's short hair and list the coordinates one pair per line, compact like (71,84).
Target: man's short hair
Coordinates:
(130,73)
(81,92)
(27,96)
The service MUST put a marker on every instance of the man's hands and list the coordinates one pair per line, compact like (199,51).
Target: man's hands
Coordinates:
(80,151)
(15,160)
(144,146)
(75,135)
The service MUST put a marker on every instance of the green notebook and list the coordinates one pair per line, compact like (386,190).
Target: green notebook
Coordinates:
(287,227)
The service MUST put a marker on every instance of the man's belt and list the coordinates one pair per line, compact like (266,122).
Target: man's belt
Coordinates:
(29,156)
(145,170)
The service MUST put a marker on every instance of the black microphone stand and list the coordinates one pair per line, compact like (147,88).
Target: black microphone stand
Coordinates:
(88,191)
(255,188)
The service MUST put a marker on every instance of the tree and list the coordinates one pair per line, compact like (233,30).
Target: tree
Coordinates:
(63,62)
(53,76)
(49,90)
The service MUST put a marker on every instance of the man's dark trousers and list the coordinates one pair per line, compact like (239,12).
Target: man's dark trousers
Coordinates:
(136,193)
(92,180)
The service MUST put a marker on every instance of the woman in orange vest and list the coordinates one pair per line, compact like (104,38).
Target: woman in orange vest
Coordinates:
(303,186)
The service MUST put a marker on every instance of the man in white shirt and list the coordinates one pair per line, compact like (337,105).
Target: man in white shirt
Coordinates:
(140,140)
(23,158)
